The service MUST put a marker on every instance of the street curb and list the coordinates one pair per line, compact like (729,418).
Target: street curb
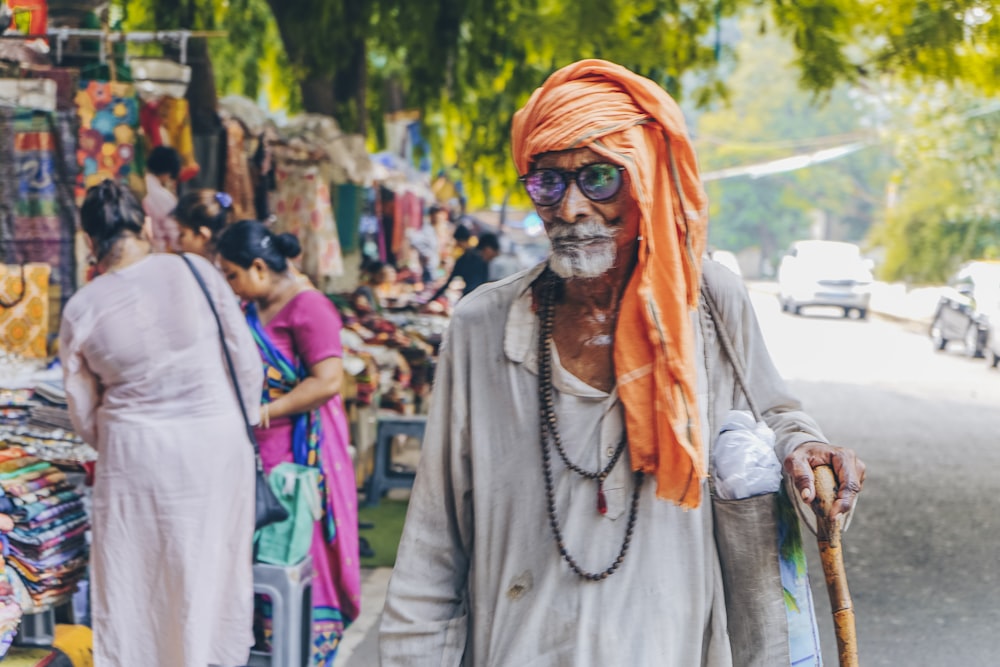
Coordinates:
(910,324)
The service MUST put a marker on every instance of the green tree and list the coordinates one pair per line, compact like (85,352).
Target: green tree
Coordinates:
(765,117)
(468,64)
(945,204)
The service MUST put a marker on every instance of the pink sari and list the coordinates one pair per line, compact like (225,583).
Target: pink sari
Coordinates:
(307,330)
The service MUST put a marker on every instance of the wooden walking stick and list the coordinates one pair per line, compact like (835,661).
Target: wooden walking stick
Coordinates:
(832,556)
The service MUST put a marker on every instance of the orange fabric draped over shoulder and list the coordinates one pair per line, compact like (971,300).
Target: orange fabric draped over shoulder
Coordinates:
(634,123)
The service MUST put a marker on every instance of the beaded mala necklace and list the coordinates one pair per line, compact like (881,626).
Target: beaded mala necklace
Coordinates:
(549,430)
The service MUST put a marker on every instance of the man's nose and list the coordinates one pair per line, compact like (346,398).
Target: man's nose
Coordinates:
(574,205)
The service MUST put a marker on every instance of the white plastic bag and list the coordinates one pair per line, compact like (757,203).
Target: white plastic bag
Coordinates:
(743,458)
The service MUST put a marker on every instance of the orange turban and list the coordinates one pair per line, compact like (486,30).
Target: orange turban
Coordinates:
(634,123)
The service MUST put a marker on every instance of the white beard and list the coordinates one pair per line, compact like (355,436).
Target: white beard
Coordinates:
(582,249)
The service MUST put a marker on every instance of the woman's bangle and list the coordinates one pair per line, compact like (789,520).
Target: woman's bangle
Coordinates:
(265,415)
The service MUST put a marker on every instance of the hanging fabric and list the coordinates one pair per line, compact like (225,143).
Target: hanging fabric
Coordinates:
(24,309)
(37,175)
(303,208)
(237,182)
(109,118)
(166,121)
(31,17)
(348,213)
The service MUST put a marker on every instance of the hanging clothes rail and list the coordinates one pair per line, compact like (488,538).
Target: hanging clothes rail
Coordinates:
(178,37)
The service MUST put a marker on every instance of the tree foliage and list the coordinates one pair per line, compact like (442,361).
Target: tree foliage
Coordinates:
(768,117)
(945,203)
(469,64)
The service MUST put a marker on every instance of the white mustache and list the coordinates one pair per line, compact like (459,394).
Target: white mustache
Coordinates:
(582,249)
(566,234)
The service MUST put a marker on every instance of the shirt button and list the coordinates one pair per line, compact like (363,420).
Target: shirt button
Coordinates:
(611,451)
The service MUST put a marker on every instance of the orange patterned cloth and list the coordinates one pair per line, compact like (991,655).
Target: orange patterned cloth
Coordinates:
(24,309)
(237,182)
(633,122)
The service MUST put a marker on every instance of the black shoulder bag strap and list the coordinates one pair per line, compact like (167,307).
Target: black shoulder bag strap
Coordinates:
(268,508)
(229,359)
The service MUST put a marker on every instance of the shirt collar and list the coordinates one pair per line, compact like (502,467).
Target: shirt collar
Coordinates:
(521,343)
(520,340)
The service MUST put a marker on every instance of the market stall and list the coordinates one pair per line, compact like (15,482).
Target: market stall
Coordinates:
(62,129)
(44,467)
(67,124)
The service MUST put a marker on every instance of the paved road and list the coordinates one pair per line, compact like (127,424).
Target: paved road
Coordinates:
(923,553)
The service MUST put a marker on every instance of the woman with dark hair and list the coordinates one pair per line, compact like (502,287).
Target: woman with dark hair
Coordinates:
(297,331)
(173,501)
(202,216)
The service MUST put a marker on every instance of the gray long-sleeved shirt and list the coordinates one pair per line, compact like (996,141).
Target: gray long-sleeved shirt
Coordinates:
(479,580)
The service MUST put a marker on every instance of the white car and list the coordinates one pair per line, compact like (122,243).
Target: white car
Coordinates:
(825,273)
(728,260)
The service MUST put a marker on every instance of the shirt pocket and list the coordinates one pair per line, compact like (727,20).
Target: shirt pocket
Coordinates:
(617,498)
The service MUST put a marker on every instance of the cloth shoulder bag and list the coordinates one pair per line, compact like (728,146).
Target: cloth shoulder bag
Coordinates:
(268,508)
(771,617)
(286,543)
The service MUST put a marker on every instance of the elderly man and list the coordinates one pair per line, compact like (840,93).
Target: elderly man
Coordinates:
(561,514)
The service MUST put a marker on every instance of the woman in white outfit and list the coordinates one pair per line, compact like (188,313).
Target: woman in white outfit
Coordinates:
(173,506)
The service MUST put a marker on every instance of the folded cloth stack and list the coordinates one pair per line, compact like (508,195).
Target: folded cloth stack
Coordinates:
(15,406)
(52,391)
(50,408)
(10,608)
(55,445)
(48,549)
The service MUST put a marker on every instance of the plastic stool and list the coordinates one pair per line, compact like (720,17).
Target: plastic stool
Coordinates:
(37,629)
(290,591)
(383,477)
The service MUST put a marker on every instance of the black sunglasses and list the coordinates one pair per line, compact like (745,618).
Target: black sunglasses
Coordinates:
(598,182)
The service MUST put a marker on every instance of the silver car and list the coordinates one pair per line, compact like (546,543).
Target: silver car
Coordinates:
(969,311)
(825,273)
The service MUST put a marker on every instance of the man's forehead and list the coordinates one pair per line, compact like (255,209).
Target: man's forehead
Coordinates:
(568,159)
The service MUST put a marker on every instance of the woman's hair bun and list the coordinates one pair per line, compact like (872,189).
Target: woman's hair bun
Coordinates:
(288,245)
(107,191)
(110,210)
(246,241)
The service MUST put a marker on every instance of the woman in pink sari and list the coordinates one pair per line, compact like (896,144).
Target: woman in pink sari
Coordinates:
(297,330)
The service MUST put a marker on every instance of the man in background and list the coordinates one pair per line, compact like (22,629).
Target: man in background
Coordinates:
(473,265)
(163,168)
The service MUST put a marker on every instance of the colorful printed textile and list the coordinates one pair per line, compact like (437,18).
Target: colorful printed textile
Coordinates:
(47,548)
(328,629)
(238,182)
(803,634)
(304,209)
(31,17)
(24,309)
(37,175)
(109,116)
(10,607)
(167,122)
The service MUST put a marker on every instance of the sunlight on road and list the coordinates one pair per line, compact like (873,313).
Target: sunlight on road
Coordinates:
(822,344)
